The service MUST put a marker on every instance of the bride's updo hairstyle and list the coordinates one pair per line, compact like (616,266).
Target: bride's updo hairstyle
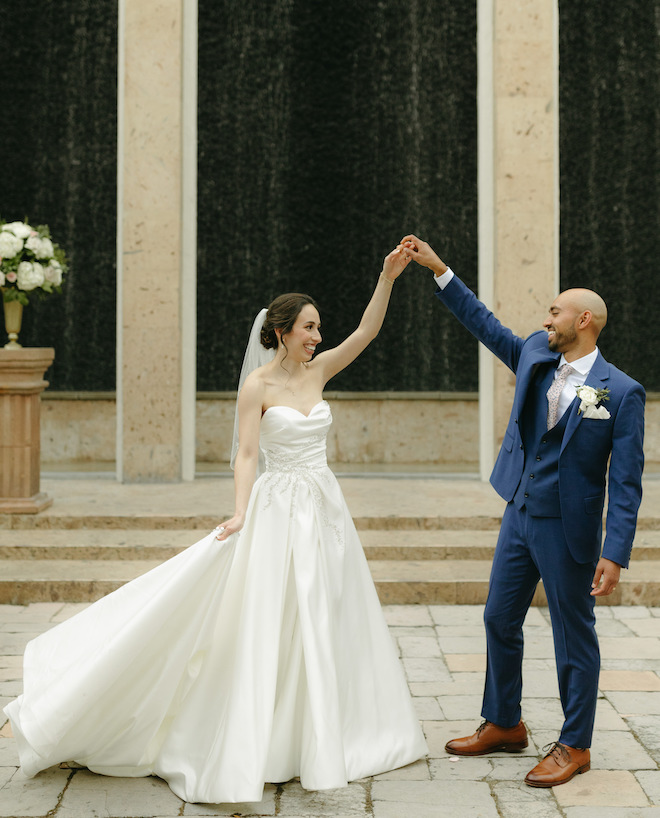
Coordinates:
(282,314)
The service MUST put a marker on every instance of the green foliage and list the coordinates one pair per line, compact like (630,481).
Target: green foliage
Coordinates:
(14,294)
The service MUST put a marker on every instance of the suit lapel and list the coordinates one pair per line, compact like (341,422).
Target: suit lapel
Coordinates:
(597,377)
(525,379)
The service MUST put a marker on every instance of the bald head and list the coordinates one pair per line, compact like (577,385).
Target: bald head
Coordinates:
(583,300)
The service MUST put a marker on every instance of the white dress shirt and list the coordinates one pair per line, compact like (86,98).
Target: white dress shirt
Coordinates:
(581,367)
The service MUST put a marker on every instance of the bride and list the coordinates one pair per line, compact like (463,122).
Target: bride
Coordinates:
(260,653)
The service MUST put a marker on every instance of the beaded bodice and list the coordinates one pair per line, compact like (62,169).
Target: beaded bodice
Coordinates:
(293,442)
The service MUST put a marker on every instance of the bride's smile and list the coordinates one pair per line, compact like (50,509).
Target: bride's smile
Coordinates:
(300,343)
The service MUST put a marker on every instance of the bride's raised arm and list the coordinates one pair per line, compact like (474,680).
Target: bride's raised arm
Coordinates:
(334,360)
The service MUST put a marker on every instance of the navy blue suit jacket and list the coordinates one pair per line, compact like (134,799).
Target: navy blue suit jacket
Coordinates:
(588,444)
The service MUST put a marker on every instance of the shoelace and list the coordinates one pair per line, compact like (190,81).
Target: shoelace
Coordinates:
(555,750)
(482,726)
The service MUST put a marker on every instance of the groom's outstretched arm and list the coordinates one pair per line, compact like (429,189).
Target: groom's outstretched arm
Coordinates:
(464,304)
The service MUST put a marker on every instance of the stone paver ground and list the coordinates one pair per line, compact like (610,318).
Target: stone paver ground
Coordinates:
(442,649)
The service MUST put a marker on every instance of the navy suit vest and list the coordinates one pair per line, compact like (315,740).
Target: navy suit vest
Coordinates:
(538,490)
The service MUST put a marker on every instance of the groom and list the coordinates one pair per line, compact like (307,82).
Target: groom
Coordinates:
(576,420)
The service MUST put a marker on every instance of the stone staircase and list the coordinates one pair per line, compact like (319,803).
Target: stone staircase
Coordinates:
(427,560)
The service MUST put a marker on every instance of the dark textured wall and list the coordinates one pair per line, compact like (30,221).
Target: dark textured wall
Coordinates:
(610,198)
(326,132)
(58,135)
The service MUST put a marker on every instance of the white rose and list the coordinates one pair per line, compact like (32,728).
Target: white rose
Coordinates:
(588,395)
(53,273)
(30,275)
(19,229)
(2,278)
(46,249)
(10,245)
(42,248)
(33,243)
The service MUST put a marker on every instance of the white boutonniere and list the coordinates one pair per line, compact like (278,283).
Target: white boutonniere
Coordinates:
(589,400)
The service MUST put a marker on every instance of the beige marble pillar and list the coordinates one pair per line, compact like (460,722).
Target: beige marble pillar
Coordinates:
(519,190)
(155,325)
(21,384)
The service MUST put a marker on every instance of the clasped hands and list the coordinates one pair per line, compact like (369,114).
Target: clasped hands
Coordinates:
(412,247)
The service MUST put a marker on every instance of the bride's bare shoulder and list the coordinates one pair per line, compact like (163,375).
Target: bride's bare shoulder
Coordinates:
(254,386)
(260,375)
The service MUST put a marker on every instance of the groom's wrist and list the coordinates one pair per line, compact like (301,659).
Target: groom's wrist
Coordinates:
(443,279)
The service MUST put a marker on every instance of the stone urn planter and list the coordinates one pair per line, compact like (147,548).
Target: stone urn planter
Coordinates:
(13,311)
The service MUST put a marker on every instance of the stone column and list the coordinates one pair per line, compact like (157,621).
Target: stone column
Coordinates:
(155,289)
(21,383)
(518,185)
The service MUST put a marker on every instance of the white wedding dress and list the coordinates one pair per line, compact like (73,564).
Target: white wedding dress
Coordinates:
(255,660)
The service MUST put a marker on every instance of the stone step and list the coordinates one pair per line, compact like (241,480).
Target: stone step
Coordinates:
(72,522)
(460,582)
(161,545)
(95,544)
(465,582)
(144,544)
(205,522)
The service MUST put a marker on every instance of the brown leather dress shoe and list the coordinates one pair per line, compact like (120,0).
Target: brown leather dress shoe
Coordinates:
(559,766)
(490,738)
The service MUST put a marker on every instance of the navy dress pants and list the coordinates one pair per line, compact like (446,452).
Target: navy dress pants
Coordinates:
(530,548)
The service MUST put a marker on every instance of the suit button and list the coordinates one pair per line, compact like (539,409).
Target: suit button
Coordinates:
(538,457)
(521,446)
(531,476)
(544,441)
(526,494)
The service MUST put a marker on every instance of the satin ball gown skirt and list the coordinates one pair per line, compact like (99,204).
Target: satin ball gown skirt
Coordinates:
(233,664)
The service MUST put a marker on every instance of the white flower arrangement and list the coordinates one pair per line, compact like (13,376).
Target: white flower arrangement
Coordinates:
(29,262)
(590,399)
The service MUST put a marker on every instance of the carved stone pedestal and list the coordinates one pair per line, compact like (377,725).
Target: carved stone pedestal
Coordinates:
(21,383)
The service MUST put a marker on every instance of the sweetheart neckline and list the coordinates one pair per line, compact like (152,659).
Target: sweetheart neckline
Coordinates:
(293,408)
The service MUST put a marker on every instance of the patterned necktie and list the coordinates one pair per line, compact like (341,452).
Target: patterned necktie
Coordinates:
(556,388)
